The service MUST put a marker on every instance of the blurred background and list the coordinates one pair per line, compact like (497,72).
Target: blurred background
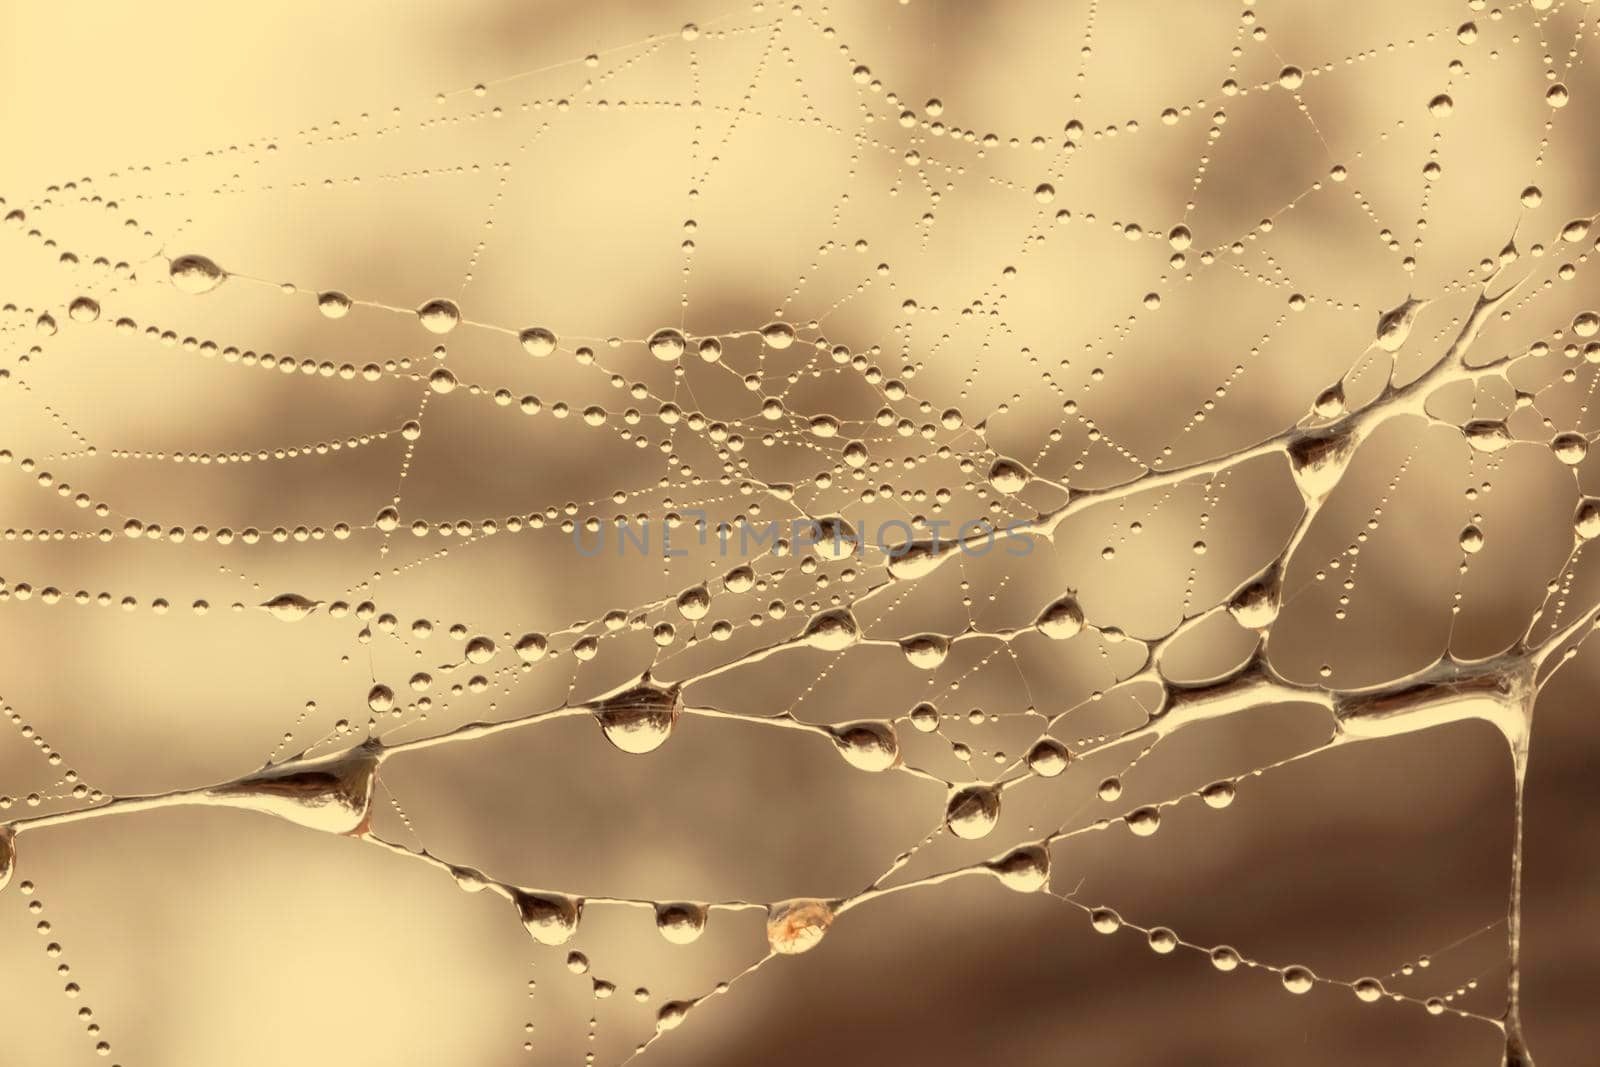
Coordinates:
(964,212)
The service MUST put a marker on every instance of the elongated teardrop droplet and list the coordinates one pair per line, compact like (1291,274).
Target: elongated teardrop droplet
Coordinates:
(1026,869)
(332,794)
(1394,326)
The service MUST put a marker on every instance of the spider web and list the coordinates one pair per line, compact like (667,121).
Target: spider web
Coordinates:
(768,488)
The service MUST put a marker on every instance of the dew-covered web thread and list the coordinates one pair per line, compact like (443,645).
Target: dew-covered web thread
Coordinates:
(800,487)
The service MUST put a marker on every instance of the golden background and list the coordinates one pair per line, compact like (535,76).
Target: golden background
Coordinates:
(301,147)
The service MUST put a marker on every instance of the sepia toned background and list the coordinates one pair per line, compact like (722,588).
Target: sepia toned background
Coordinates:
(305,149)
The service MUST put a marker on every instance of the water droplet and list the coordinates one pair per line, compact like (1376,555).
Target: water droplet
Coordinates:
(1105,921)
(694,603)
(83,309)
(551,918)
(577,963)
(1368,990)
(796,926)
(439,316)
(1586,520)
(1291,78)
(1298,980)
(1110,789)
(667,345)
(972,810)
(1487,435)
(1162,940)
(925,651)
(1048,757)
(1471,539)
(531,647)
(925,717)
(681,923)
(1441,106)
(1061,620)
(1256,606)
(332,794)
(1008,476)
(1218,794)
(380,698)
(1570,448)
(333,304)
(537,341)
(290,607)
(778,335)
(1395,326)
(1224,958)
(1586,324)
(195,274)
(1330,402)
(832,631)
(640,719)
(671,1015)
(480,650)
(1144,821)
(1025,869)
(867,746)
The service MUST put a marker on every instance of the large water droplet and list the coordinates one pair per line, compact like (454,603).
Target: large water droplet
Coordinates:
(1487,435)
(1255,607)
(1061,620)
(796,926)
(1394,326)
(333,794)
(1298,979)
(439,316)
(672,1014)
(640,719)
(1008,476)
(333,304)
(551,918)
(1048,757)
(681,923)
(195,274)
(1026,869)
(537,341)
(972,810)
(779,335)
(925,651)
(290,607)
(667,345)
(832,631)
(867,746)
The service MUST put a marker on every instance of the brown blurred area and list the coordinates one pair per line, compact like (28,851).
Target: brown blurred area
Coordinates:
(303,144)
